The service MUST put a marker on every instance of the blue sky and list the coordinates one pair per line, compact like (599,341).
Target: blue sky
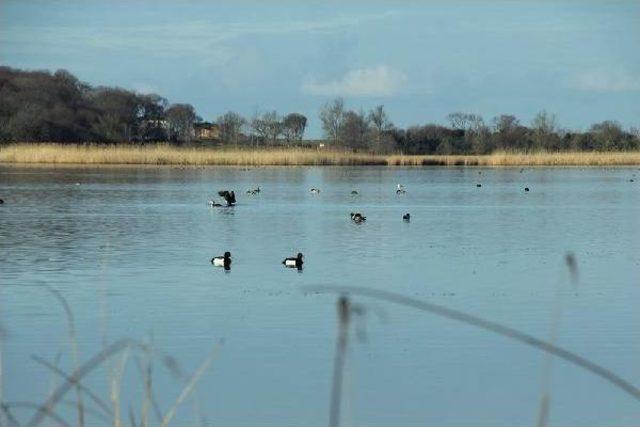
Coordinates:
(422,60)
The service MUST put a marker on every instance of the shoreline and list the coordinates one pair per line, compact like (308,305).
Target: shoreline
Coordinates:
(50,154)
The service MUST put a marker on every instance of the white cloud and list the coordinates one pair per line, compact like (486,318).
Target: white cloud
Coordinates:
(375,81)
(607,80)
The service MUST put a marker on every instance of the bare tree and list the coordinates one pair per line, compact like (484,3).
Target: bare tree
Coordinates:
(332,117)
(181,118)
(380,124)
(462,121)
(544,127)
(267,127)
(273,125)
(230,125)
(354,131)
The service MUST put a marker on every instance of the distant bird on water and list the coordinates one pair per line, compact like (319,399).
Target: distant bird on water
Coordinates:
(354,192)
(358,217)
(222,261)
(526,189)
(400,189)
(406,217)
(1,201)
(253,191)
(228,196)
(294,262)
(315,191)
(478,185)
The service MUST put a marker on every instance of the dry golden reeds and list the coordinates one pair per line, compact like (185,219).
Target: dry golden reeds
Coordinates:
(164,154)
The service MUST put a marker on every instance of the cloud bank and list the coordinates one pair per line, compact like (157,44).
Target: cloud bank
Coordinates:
(603,80)
(375,81)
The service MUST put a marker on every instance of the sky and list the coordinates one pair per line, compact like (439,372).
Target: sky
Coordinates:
(578,59)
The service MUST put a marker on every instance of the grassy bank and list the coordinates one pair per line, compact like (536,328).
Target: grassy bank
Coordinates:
(163,154)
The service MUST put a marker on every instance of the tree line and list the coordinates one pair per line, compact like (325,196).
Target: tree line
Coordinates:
(39,106)
(468,133)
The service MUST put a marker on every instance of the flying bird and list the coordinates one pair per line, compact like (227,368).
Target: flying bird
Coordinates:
(228,196)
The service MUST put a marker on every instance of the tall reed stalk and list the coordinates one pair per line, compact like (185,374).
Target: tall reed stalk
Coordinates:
(343,307)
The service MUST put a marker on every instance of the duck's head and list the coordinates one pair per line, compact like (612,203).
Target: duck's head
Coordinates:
(227,255)
(299,256)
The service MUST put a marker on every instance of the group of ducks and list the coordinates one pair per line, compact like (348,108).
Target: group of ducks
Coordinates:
(290,262)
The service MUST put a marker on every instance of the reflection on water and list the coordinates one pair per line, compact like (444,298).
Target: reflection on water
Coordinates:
(130,250)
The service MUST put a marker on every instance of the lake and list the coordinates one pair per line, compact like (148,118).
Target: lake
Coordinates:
(130,248)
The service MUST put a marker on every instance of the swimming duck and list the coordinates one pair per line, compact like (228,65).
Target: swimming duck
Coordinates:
(400,189)
(315,191)
(358,217)
(354,192)
(526,188)
(222,261)
(254,191)
(1,201)
(294,262)
(478,185)
(406,217)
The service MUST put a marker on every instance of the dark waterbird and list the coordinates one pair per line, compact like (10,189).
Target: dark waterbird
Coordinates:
(406,217)
(1,201)
(526,188)
(478,185)
(294,262)
(358,217)
(222,261)
(228,196)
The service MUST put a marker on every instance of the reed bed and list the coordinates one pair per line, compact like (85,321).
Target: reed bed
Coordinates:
(164,154)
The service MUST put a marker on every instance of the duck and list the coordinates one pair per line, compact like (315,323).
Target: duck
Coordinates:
(406,217)
(1,201)
(315,191)
(400,189)
(478,185)
(354,192)
(214,204)
(222,261)
(294,262)
(253,191)
(358,217)
(526,188)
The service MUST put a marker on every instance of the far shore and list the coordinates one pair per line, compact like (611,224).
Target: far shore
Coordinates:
(164,154)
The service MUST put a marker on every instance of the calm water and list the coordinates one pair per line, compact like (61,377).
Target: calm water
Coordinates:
(130,249)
